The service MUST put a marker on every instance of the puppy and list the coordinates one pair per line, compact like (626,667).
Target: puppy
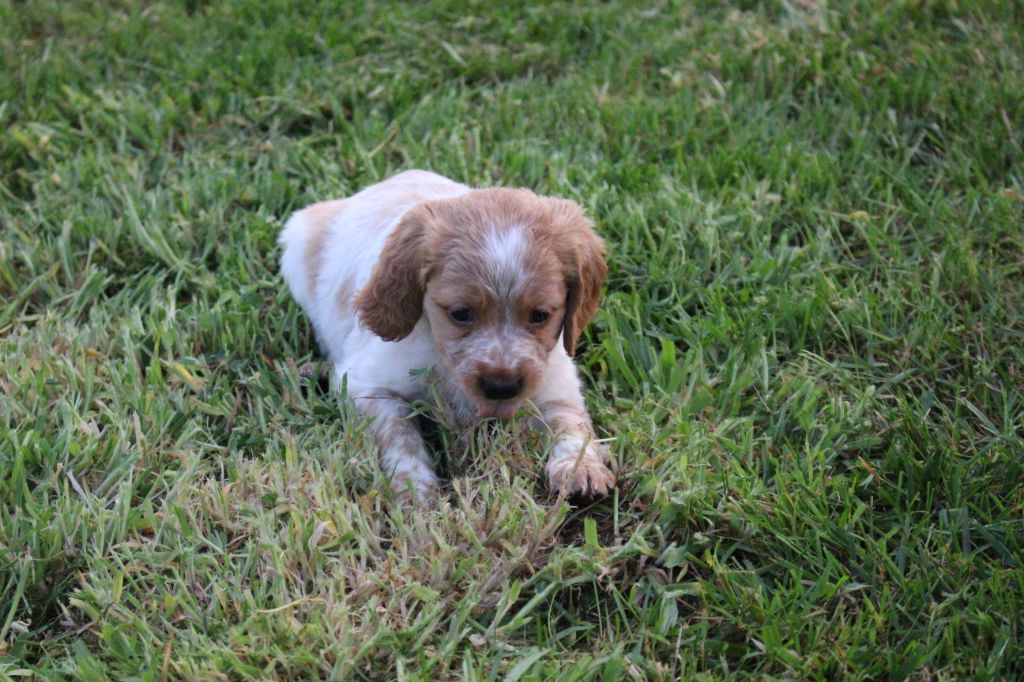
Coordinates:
(488,287)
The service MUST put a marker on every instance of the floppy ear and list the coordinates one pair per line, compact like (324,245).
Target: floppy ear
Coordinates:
(391,303)
(585,270)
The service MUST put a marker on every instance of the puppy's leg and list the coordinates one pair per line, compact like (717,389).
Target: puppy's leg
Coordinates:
(577,461)
(403,455)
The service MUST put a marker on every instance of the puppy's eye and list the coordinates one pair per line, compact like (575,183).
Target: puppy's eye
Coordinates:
(461,315)
(538,316)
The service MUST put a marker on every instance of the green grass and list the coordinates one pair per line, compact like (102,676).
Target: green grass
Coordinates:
(810,354)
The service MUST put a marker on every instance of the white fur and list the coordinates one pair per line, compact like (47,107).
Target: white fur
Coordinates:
(380,375)
(504,249)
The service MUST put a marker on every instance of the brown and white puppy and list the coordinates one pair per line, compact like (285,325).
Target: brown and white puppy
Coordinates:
(489,287)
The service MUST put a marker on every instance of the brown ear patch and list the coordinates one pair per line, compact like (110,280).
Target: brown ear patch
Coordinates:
(391,303)
(581,252)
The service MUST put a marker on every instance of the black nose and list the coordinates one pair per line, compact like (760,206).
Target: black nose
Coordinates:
(500,388)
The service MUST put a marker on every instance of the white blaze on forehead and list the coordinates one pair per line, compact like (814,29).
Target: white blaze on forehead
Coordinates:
(504,251)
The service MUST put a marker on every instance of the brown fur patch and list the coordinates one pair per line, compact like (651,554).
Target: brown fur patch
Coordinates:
(318,219)
(343,297)
(570,235)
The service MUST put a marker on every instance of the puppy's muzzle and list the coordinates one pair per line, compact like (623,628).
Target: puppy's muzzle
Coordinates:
(500,388)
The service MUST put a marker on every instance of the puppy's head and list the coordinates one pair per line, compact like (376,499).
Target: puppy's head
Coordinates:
(500,275)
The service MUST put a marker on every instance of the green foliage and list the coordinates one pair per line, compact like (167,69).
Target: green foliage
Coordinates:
(810,357)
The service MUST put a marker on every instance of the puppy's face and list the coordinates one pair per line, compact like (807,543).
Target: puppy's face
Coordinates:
(500,275)
(495,314)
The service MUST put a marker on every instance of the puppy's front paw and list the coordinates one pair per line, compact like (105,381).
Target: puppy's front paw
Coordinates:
(573,470)
(417,490)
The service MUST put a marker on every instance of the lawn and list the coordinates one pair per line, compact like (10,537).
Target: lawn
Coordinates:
(809,356)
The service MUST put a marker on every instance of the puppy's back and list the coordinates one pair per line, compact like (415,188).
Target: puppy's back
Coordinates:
(329,248)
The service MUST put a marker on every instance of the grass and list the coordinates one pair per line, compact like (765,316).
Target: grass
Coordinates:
(810,354)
